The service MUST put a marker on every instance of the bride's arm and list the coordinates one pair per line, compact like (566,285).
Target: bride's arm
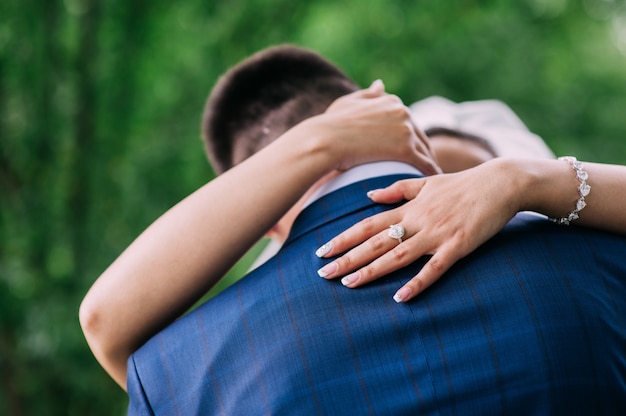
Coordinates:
(187,250)
(449,216)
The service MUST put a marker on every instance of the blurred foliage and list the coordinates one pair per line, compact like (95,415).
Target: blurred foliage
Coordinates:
(100,105)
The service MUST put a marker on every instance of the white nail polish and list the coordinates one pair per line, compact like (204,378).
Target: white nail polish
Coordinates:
(324,250)
(372,192)
(327,270)
(402,294)
(349,279)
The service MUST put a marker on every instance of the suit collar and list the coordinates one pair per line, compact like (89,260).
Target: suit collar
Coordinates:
(339,203)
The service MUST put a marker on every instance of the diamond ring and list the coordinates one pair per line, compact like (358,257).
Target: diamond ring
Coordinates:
(396,232)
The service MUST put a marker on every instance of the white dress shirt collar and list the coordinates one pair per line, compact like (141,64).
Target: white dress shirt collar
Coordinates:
(359,173)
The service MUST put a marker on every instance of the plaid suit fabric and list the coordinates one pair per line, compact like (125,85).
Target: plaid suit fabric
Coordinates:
(533,322)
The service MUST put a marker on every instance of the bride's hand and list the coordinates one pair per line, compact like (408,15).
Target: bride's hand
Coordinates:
(371,125)
(447,216)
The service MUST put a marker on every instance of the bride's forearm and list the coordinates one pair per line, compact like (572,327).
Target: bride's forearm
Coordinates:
(188,249)
(553,191)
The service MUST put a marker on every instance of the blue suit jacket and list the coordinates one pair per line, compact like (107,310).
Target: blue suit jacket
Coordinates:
(533,322)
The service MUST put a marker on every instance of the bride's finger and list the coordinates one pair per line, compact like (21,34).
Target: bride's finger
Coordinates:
(426,164)
(405,189)
(434,268)
(427,161)
(358,233)
(398,257)
(371,249)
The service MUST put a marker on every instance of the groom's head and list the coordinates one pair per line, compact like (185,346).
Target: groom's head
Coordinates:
(265,95)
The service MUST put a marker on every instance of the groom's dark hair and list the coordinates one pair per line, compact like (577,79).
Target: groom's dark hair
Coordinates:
(265,95)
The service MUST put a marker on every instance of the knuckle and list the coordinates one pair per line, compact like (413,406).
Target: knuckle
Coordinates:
(395,99)
(373,271)
(399,111)
(368,225)
(366,274)
(403,184)
(461,239)
(344,263)
(417,284)
(436,265)
(460,234)
(376,242)
(400,253)
(406,129)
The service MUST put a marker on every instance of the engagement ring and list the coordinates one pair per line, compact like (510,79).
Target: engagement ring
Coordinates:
(396,232)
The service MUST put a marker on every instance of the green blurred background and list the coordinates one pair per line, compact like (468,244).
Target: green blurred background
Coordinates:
(100,105)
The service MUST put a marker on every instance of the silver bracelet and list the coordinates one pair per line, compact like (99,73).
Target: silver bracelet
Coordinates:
(583,190)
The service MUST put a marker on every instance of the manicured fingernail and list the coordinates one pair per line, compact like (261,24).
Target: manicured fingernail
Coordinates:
(372,192)
(324,250)
(351,278)
(402,294)
(327,270)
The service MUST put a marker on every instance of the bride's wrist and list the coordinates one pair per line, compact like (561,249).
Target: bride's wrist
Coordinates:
(315,145)
(517,180)
(547,186)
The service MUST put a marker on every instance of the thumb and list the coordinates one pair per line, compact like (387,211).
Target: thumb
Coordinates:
(399,191)
(375,90)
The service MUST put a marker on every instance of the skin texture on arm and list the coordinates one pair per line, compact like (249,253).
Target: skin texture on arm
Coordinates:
(188,249)
(477,203)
